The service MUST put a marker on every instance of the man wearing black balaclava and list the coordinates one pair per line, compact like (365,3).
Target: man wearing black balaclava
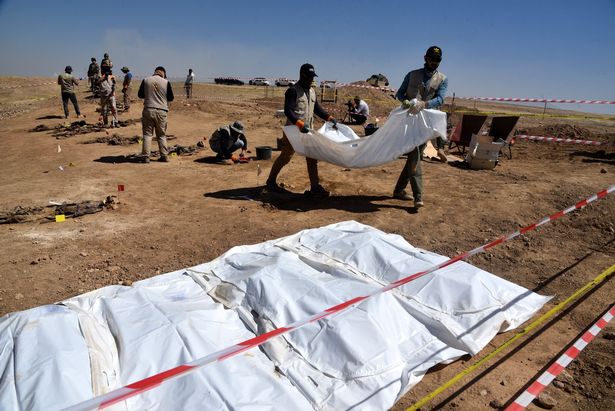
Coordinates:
(422,88)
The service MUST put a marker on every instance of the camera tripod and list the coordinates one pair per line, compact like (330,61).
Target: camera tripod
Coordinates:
(349,110)
(347,118)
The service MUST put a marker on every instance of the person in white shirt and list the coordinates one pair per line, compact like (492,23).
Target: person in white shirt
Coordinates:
(188,83)
(360,112)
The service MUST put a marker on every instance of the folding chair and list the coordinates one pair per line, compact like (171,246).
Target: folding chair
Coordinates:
(468,125)
(502,129)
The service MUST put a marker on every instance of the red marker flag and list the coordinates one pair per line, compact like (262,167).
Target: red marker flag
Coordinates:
(120,187)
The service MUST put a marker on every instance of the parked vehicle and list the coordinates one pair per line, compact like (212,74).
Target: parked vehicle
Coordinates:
(229,80)
(284,82)
(259,81)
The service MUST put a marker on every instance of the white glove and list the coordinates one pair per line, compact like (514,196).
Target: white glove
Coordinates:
(418,106)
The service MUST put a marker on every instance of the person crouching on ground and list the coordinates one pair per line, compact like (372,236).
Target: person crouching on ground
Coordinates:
(360,111)
(107,99)
(156,92)
(225,140)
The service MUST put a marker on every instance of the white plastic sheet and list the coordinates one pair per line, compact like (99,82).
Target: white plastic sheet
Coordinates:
(400,134)
(153,326)
(363,358)
(368,356)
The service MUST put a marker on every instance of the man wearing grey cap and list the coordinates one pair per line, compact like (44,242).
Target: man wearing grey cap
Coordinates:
(156,92)
(300,105)
(422,88)
(67,84)
(225,140)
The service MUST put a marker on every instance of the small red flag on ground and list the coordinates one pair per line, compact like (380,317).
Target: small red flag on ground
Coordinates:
(120,187)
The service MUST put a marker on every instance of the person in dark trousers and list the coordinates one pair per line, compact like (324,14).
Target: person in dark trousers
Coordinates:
(225,140)
(422,88)
(300,105)
(188,83)
(360,111)
(93,74)
(127,87)
(105,65)
(156,92)
(67,84)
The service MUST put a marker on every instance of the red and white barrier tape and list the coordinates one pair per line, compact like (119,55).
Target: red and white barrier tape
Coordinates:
(539,100)
(368,87)
(562,362)
(112,397)
(565,140)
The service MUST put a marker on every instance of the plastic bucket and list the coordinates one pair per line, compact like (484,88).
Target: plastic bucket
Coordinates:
(263,153)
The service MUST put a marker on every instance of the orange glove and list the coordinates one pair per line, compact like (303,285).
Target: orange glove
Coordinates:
(302,126)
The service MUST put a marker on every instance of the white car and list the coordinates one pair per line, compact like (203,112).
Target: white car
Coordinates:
(259,81)
(284,82)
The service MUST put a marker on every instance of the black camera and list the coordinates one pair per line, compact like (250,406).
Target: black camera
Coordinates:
(349,104)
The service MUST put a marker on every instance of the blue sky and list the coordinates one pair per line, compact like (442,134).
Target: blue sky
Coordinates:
(552,49)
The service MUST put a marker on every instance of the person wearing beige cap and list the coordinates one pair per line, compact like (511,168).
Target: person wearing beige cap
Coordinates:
(227,139)
(126,87)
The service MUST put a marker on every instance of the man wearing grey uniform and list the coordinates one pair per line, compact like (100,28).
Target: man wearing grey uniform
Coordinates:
(67,87)
(157,92)
(422,88)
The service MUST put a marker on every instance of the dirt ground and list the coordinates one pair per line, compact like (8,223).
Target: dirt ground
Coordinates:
(190,210)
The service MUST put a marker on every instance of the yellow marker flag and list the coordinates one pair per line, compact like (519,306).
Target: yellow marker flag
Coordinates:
(60,218)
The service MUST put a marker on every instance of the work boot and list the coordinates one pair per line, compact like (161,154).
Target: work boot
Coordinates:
(144,159)
(402,195)
(317,192)
(442,156)
(163,159)
(418,204)
(273,187)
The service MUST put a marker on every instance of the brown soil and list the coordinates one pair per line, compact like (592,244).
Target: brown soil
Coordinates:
(188,211)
